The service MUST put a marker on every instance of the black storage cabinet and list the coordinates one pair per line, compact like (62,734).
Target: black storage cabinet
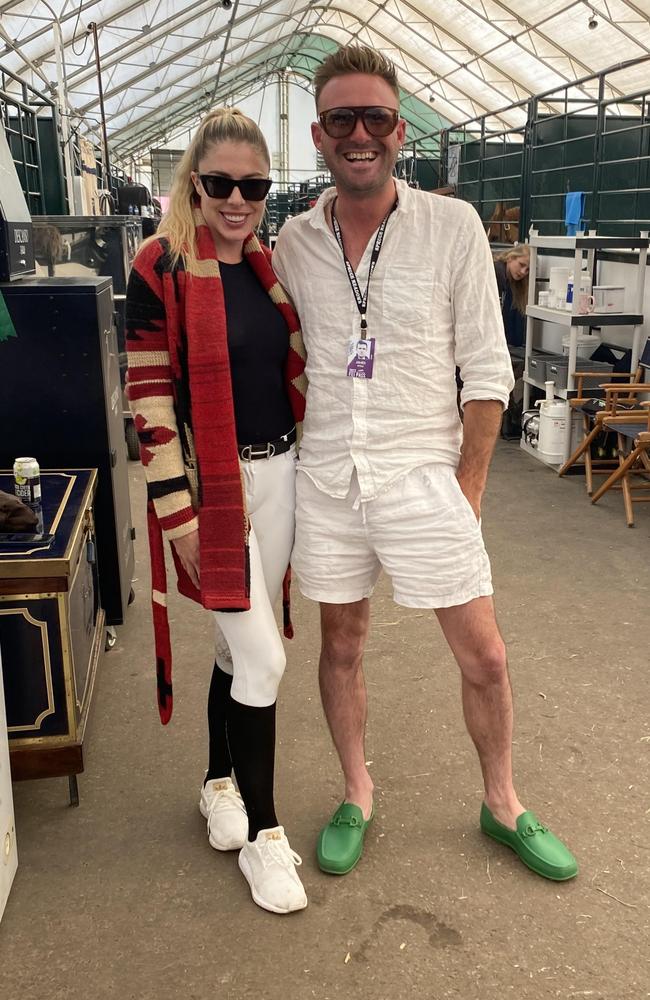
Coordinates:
(51,631)
(60,401)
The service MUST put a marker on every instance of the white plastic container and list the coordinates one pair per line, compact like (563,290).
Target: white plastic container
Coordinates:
(552,427)
(585,282)
(586,343)
(8,853)
(609,298)
(552,430)
(558,278)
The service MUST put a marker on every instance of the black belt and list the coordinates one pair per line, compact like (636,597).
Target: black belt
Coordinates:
(249,452)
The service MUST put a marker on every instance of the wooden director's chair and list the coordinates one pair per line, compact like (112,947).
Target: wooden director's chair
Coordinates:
(614,397)
(633,434)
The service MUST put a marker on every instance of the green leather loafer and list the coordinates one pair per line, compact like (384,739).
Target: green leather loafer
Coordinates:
(340,842)
(536,846)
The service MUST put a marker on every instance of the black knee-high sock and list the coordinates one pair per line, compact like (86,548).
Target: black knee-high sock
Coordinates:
(251,737)
(220,762)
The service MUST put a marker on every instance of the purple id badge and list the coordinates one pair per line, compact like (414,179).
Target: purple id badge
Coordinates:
(361,357)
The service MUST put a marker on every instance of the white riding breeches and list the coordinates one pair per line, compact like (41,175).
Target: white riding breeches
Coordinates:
(248,643)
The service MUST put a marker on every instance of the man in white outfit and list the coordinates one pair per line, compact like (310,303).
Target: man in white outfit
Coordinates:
(389,478)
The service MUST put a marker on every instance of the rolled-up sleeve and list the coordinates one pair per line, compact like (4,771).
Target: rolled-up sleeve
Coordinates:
(480,347)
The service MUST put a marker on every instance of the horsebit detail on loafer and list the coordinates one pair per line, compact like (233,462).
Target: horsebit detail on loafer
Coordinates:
(531,830)
(346,821)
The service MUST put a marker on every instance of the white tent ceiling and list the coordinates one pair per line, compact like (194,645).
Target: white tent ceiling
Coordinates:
(164,62)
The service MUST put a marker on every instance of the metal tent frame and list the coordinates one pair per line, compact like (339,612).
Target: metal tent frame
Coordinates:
(164,62)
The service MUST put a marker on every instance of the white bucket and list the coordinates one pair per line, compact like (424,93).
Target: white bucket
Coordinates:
(586,344)
(552,429)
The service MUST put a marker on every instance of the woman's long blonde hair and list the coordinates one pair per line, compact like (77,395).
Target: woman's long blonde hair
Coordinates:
(519,288)
(220,125)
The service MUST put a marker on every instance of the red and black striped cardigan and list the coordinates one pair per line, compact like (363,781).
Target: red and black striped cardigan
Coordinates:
(180,393)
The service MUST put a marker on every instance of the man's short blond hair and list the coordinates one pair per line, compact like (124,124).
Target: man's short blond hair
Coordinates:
(355,59)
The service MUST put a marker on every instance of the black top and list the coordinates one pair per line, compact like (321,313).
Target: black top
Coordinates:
(258,342)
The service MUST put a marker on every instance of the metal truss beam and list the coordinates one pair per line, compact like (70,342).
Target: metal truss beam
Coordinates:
(229,84)
(187,50)
(382,9)
(482,71)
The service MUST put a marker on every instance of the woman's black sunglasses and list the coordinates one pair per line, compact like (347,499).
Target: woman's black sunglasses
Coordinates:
(338,123)
(250,188)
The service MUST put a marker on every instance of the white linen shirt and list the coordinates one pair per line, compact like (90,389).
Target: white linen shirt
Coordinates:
(432,305)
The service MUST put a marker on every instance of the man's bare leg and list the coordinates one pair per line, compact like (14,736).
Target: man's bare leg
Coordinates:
(344,630)
(473,635)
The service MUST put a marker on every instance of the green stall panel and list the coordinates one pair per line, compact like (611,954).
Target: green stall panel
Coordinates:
(550,207)
(469,191)
(497,177)
(52,176)
(633,208)
(579,151)
(620,142)
(470,162)
(427,174)
(616,176)
(22,137)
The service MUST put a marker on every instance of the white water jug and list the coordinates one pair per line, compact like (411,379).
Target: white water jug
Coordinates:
(552,429)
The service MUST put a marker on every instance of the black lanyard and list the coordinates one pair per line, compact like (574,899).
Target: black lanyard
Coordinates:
(362,300)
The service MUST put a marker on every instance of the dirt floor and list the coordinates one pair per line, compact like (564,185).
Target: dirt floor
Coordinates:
(124,898)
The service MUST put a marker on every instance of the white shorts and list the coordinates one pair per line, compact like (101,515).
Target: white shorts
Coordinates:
(422,531)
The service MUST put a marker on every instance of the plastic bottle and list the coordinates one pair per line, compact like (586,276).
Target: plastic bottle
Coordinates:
(569,294)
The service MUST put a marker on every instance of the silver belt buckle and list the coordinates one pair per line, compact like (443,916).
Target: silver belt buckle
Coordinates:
(248,455)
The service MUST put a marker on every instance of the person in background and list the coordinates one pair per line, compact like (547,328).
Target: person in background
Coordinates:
(388,477)
(216,387)
(511,268)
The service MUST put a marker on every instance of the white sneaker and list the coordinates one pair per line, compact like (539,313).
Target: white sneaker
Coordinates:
(208,792)
(269,867)
(223,807)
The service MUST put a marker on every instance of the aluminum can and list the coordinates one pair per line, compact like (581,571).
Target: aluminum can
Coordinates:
(27,487)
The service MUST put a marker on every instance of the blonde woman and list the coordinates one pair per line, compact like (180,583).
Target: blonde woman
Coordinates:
(216,387)
(511,268)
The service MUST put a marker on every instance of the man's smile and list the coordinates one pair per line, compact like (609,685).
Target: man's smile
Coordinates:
(353,155)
